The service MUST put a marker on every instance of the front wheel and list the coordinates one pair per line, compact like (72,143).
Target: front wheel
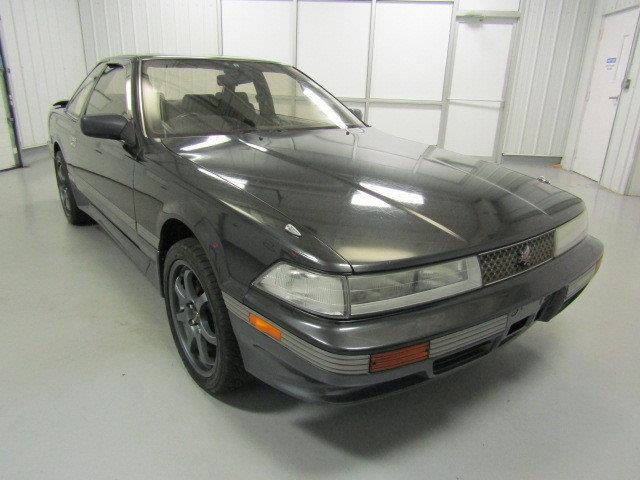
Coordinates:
(199,319)
(74,215)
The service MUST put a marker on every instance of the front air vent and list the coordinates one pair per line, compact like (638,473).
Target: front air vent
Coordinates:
(460,358)
(514,259)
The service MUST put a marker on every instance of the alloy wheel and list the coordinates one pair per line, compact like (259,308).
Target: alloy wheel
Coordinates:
(63,185)
(192,318)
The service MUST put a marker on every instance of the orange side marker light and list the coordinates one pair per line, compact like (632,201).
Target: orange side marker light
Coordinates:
(265,327)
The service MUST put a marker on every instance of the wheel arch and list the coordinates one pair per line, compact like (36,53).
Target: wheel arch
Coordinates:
(172,231)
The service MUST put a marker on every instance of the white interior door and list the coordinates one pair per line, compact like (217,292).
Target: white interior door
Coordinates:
(615,45)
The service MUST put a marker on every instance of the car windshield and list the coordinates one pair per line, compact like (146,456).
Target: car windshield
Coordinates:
(188,97)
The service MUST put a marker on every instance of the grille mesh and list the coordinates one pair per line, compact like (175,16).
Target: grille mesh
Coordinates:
(506,262)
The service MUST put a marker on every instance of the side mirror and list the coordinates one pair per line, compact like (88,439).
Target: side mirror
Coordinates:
(358,113)
(60,104)
(104,126)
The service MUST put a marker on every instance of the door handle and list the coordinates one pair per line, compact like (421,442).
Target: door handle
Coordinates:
(72,141)
(615,97)
(99,152)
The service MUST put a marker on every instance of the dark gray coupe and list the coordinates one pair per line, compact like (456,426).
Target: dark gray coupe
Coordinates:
(292,241)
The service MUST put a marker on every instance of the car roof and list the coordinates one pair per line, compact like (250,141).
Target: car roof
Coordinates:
(183,57)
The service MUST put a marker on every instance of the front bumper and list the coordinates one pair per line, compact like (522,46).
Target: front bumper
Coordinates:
(327,360)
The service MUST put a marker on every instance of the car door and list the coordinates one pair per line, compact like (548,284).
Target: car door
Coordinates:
(107,167)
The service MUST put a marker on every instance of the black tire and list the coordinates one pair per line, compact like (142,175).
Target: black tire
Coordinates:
(74,215)
(218,367)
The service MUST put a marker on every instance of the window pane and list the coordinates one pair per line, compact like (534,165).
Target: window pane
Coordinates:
(75,106)
(108,98)
(203,97)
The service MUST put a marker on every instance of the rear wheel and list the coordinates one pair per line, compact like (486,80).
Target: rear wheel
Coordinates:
(199,319)
(74,215)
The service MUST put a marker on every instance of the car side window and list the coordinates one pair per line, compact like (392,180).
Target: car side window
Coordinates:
(74,107)
(109,95)
(78,99)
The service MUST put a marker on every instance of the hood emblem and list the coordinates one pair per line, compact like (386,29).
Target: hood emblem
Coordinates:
(292,230)
(524,257)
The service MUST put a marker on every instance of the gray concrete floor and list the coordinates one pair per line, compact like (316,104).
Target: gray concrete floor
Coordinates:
(91,385)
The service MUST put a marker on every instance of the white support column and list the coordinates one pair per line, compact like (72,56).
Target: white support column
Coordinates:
(219,20)
(294,34)
(448,75)
(372,27)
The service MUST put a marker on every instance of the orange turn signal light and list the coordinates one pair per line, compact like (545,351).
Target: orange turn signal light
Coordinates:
(265,327)
(379,362)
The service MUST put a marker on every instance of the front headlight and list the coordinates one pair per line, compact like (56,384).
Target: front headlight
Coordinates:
(339,296)
(571,233)
(390,291)
(315,292)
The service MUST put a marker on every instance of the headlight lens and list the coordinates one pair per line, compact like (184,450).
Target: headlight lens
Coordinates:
(338,296)
(571,233)
(389,291)
(312,291)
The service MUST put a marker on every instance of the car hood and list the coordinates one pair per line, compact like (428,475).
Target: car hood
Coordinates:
(379,201)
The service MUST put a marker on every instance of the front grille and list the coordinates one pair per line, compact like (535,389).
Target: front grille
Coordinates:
(508,261)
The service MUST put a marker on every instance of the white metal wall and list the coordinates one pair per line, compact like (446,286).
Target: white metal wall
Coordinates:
(554,35)
(622,155)
(44,55)
(395,60)
(172,27)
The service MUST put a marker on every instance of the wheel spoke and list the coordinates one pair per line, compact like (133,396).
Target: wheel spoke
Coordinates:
(183,317)
(207,333)
(180,291)
(189,279)
(203,354)
(200,301)
(189,337)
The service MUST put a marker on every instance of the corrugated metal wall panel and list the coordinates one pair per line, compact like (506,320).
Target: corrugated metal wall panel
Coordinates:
(548,66)
(43,49)
(170,27)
